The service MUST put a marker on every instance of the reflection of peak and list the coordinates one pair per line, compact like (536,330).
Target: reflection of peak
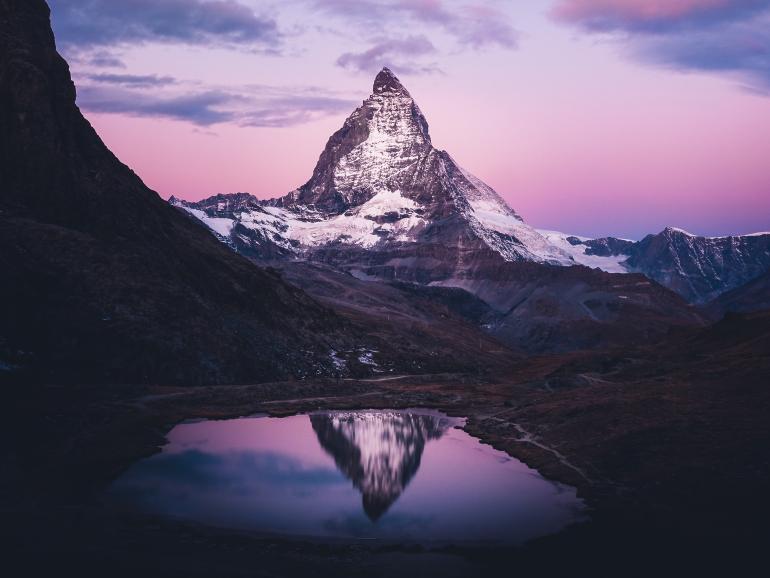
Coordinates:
(379,452)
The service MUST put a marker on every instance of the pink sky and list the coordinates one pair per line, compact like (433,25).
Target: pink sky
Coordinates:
(575,130)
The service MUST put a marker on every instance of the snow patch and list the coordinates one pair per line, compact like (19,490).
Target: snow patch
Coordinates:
(366,357)
(356,226)
(611,264)
(220,225)
(338,362)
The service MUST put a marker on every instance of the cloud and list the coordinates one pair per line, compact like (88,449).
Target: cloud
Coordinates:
(138,80)
(102,23)
(203,109)
(739,48)
(400,54)
(253,106)
(653,15)
(480,25)
(725,36)
(293,110)
(475,24)
(103,59)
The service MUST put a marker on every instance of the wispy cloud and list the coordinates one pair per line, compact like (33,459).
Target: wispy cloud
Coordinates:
(482,24)
(401,33)
(101,59)
(254,106)
(294,109)
(203,109)
(653,15)
(136,80)
(99,34)
(104,23)
(727,36)
(397,53)
(475,24)
(471,25)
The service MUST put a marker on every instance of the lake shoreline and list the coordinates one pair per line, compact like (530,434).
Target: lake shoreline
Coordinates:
(76,440)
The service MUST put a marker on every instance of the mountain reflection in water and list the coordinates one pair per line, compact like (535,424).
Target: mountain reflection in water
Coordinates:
(406,476)
(379,452)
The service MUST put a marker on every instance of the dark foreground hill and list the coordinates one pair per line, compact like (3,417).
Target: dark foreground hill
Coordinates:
(104,282)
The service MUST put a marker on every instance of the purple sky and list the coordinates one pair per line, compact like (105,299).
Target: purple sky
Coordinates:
(592,117)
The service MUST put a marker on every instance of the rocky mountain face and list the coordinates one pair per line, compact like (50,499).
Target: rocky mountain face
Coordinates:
(701,268)
(697,268)
(381,195)
(384,204)
(557,309)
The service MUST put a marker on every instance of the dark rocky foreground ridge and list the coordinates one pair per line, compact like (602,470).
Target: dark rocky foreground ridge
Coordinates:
(667,444)
(104,282)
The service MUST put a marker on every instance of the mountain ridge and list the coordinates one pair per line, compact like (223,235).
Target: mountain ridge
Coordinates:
(383,201)
(698,268)
(383,204)
(380,182)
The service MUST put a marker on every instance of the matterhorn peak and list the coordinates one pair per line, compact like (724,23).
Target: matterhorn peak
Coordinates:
(380,184)
(387,82)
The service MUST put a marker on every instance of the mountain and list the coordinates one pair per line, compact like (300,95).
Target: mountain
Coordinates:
(384,204)
(546,309)
(697,268)
(381,188)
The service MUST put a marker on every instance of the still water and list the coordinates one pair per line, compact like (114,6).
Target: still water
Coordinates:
(409,476)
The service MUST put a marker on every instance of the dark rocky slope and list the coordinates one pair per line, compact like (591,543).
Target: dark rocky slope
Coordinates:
(672,441)
(557,309)
(102,280)
(753,296)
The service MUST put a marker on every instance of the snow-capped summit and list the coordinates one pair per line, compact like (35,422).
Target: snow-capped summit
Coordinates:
(381,185)
(386,81)
(378,149)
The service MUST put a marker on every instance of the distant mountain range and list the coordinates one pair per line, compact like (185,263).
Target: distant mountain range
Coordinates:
(697,268)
